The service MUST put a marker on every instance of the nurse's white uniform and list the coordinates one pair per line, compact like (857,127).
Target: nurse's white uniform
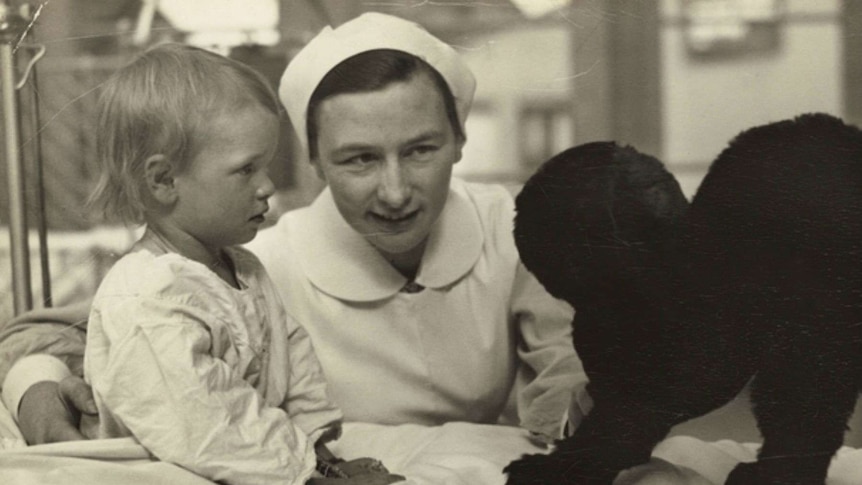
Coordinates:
(445,347)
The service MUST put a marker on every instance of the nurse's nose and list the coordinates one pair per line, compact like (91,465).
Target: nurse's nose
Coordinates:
(393,188)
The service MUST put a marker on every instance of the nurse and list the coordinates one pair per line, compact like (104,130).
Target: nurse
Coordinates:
(407,280)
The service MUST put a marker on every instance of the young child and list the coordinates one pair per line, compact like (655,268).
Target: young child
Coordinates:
(189,349)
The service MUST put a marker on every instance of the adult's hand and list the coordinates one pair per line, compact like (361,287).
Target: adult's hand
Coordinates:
(660,472)
(50,412)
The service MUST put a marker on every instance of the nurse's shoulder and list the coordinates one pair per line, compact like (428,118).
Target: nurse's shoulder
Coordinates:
(495,207)
(272,245)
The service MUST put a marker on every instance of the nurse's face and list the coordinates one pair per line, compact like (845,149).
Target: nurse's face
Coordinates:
(387,156)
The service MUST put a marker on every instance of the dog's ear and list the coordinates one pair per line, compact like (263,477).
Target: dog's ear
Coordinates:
(764,178)
(591,216)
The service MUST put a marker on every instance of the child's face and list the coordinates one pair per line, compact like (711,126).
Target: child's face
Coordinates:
(222,194)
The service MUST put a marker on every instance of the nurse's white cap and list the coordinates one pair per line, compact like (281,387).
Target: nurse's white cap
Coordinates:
(367,32)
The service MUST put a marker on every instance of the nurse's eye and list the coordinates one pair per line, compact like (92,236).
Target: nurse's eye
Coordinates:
(359,160)
(422,151)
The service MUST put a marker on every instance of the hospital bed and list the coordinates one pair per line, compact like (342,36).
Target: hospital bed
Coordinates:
(451,454)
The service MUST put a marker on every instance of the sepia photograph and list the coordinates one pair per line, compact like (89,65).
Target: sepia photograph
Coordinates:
(431,242)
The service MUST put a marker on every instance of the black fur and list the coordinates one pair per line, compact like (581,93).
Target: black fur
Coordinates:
(678,306)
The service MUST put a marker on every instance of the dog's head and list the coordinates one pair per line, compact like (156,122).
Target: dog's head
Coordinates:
(595,217)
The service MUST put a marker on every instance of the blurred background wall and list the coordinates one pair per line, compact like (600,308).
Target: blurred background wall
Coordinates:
(675,78)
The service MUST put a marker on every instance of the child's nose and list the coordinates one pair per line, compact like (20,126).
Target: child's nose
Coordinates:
(266,187)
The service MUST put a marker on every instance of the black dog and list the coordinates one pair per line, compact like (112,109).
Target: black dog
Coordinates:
(678,306)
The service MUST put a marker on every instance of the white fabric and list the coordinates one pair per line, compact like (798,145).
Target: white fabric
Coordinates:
(447,353)
(367,32)
(19,378)
(452,454)
(713,461)
(455,453)
(57,333)
(215,379)
(10,435)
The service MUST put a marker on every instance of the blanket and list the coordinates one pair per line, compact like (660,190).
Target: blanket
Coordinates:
(451,454)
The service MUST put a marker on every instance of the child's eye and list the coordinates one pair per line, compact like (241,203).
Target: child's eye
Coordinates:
(247,169)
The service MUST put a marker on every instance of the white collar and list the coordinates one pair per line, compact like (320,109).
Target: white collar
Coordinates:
(340,262)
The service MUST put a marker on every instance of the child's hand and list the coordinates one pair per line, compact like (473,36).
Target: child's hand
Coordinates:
(362,466)
(367,479)
(361,471)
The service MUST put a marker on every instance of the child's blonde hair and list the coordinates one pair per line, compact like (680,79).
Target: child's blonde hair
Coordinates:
(156,105)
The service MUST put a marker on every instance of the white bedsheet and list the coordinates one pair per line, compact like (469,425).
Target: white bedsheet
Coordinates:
(452,454)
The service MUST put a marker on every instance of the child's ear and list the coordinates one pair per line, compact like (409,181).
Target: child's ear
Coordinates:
(159,173)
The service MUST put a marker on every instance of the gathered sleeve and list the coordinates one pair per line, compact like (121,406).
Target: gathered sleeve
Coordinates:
(157,377)
(308,402)
(554,373)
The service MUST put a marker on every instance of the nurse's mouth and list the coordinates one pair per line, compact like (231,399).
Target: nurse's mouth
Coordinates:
(395,220)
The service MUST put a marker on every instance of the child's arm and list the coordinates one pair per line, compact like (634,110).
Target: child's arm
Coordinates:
(185,406)
(308,402)
(310,408)
(545,327)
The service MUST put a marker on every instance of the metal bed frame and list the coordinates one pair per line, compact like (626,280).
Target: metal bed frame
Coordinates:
(16,25)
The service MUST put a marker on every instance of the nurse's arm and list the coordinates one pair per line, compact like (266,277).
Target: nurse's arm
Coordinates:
(544,325)
(41,349)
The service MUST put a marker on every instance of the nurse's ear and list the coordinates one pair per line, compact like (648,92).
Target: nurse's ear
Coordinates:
(459,146)
(160,175)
